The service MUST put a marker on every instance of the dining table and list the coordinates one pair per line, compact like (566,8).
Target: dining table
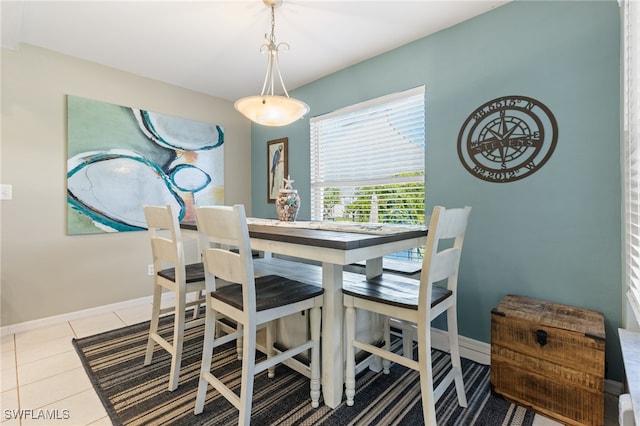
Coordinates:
(333,245)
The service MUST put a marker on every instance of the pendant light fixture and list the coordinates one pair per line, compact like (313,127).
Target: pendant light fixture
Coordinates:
(268,108)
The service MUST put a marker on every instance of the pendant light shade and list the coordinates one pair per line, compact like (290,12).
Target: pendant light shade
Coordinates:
(268,108)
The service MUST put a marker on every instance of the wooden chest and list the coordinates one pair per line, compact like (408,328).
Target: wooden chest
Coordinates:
(549,357)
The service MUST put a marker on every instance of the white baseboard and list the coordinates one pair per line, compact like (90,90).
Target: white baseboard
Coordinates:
(57,319)
(474,350)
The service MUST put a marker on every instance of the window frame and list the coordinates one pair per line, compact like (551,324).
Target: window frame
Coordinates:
(630,10)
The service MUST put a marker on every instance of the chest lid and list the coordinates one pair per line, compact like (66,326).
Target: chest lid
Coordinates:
(579,320)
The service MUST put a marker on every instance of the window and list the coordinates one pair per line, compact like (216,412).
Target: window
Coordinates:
(367,161)
(631,134)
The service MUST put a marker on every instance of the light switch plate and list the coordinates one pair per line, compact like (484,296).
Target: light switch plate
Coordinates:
(5,191)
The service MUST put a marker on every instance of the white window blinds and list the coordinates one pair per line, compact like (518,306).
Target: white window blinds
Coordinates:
(631,123)
(367,161)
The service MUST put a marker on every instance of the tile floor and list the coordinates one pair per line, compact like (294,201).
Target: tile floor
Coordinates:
(41,375)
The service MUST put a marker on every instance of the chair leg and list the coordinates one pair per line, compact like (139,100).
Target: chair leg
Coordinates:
(217,328)
(155,318)
(271,351)
(454,350)
(178,338)
(407,341)
(386,364)
(196,308)
(350,373)
(248,371)
(315,318)
(239,342)
(207,355)
(426,375)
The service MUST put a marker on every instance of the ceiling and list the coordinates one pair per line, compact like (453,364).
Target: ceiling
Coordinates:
(213,47)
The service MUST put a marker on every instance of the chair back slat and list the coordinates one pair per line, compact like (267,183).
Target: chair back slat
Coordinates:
(453,223)
(221,225)
(226,264)
(444,264)
(164,249)
(158,218)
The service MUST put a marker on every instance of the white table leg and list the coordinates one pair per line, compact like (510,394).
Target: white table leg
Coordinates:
(332,335)
(374,267)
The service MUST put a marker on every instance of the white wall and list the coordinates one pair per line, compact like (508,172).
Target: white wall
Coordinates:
(45,272)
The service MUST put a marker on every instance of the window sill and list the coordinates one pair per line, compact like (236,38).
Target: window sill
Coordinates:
(630,345)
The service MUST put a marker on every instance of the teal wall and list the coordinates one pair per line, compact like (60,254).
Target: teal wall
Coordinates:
(555,235)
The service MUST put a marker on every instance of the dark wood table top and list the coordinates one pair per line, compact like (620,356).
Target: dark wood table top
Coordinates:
(328,238)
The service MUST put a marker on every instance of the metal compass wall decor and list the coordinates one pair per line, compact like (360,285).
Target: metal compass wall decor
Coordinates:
(507,139)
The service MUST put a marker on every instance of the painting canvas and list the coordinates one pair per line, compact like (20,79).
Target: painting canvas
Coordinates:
(120,158)
(277,167)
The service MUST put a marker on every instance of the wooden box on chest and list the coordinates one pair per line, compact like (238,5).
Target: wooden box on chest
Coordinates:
(549,357)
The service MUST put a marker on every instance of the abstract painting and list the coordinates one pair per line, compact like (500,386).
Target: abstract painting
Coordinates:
(120,158)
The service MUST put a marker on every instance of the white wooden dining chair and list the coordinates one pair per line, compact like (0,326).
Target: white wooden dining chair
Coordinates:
(415,302)
(251,302)
(172,274)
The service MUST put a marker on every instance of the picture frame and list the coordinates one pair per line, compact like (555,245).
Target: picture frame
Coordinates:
(277,166)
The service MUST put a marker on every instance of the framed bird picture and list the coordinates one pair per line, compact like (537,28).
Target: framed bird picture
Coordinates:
(277,167)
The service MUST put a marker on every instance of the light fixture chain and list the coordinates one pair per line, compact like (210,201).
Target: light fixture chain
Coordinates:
(273,25)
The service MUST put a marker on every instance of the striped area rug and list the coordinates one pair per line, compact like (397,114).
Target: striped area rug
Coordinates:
(137,395)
